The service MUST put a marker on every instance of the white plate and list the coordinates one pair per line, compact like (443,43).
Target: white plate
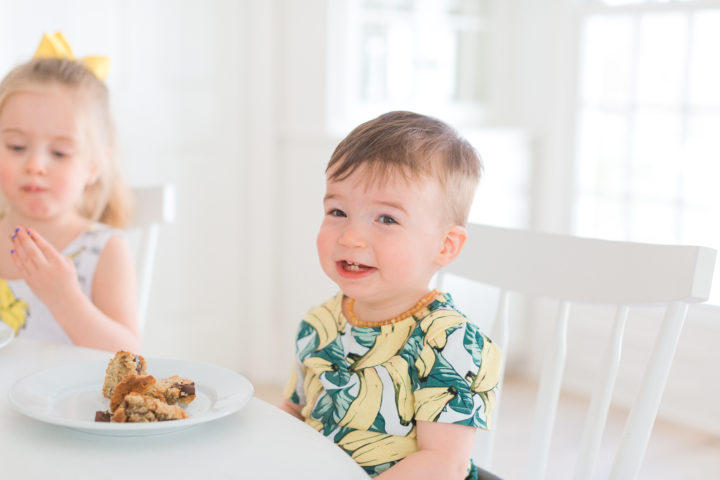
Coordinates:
(70,395)
(6,334)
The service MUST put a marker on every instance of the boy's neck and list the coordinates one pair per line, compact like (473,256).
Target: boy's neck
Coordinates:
(383,310)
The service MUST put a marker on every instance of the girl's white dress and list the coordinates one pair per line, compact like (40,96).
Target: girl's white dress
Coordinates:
(27,315)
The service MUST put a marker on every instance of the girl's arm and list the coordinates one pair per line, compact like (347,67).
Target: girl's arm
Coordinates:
(444,451)
(110,323)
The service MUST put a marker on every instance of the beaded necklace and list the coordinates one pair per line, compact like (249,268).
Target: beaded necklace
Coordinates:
(422,303)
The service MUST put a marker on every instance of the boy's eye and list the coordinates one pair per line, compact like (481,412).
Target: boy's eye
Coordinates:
(58,154)
(336,213)
(16,148)
(387,219)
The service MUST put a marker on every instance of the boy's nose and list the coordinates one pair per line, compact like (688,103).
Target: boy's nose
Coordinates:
(352,237)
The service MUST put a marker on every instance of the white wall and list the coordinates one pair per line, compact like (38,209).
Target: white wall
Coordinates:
(180,93)
(229,100)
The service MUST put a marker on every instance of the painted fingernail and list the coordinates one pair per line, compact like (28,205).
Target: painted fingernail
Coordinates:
(12,251)
(17,229)
(13,236)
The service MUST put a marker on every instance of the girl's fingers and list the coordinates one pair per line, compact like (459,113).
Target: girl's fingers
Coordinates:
(19,263)
(47,250)
(26,251)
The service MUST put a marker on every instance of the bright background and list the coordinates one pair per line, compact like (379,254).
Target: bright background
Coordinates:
(599,118)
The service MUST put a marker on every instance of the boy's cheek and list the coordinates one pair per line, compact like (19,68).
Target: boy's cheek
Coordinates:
(323,245)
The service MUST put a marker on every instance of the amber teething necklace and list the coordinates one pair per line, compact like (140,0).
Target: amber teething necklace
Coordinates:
(422,303)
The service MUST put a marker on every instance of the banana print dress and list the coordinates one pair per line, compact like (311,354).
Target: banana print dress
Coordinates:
(27,315)
(366,387)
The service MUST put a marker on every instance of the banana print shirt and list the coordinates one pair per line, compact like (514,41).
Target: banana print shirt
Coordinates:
(27,315)
(365,387)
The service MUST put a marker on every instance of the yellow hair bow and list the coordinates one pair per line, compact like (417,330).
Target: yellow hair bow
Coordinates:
(55,46)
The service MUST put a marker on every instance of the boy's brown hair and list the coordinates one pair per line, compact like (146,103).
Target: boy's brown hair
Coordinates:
(416,147)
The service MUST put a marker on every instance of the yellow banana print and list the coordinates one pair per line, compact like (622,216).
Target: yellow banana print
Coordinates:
(388,342)
(440,363)
(316,424)
(375,448)
(364,409)
(488,399)
(397,368)
(323,321)
(388,449)
(12,311)
(425,361)
(319,365)
(335,309)
(359,438)
(434,326)
(489,374)
(430,401)
(313,389)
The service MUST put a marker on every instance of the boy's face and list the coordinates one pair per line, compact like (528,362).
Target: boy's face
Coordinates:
(380,243)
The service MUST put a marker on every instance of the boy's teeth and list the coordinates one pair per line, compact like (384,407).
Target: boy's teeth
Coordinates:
(355,267)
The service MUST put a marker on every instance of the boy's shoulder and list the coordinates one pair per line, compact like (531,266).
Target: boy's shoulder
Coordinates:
(325,320)
(440,318)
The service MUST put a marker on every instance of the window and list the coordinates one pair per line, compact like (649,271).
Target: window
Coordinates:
(430,56)
(648,134)
(425,55)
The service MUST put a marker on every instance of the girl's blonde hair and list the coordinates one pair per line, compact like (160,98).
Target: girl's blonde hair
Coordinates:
(108,198)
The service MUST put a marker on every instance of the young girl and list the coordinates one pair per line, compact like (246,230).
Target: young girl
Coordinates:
(389,370)
(64,276)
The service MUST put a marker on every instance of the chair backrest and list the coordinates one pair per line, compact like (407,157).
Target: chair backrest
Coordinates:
(580,270)
(153,206)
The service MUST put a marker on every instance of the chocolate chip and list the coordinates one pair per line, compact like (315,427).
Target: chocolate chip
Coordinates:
(138,369)
(103,416)
(187,389)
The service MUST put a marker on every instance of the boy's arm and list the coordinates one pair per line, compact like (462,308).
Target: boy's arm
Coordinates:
(444,451)
(292,408)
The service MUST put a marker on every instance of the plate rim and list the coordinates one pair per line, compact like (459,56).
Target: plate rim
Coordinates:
(118,429)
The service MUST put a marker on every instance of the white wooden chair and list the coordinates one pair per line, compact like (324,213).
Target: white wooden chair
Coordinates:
(153,206)
(577,270)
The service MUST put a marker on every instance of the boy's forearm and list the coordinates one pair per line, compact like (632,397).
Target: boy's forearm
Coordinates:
(427,465)
(292,408)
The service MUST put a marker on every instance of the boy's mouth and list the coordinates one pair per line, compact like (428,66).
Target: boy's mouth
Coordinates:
(353,269)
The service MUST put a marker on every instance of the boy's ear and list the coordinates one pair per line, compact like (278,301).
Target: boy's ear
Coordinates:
(452,245)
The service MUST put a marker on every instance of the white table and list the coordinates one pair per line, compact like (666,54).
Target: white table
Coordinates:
(258,442)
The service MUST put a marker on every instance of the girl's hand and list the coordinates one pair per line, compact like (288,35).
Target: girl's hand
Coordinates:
(49,274)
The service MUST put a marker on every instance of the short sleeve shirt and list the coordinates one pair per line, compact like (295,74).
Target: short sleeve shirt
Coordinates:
(366,387)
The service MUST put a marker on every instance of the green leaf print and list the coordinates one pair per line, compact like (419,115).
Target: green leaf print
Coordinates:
(341,402)
(379,424)
(323,411)
(378,469)
(305,331)
(473,341)
(333,353)
(365,336)
(444,375)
